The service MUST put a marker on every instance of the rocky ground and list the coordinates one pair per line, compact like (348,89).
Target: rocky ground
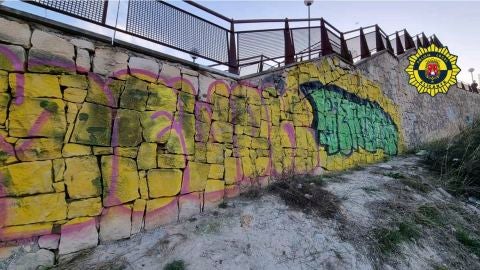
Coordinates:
(387,216)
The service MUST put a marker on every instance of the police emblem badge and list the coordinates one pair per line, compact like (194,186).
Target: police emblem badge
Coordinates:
(433,70)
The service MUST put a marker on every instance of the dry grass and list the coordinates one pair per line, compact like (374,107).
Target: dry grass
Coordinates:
(308,194)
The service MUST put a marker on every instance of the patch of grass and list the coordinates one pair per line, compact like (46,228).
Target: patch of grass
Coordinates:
(395,175)
(428,215)
(457,159)
(175,265)
(472,243)
(389,239)
(417,185)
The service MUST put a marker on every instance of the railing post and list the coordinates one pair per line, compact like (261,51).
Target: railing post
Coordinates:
(289,47)
(389,45)
(425,41)
(378,39)
(409,44)
(326,46)
(419,42)
(364,50)
(399,45)
(260,68)
(345,53)
(105,9)
(436,41)
(232,51)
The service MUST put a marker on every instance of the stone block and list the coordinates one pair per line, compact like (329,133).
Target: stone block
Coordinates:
(116,223)
(135,95)
(216,171)
(83,44)
(49,241)
(104,91)
(33,209)
(171,161)
(93,125)
(147,156)
(214,193)
(75,95)
(23,118)
(144,69)
(39,259)
(75,81)
(4,81)
(15,32)
(222,132)
(110,62)
(186,102)
(12,58)
(233,170)
(129,152)
(120,180)
(129,129)
(161,98)
(164,182)
(142,184)
(25,231)
(4,102)
(73,150)
(85,208)
(206,87)
(138,212)
(50,53)
(83,61)
(182,144)
(58,169)
(168,74)
(215,153)
(38,149)
(78,234)
(156,128)
(26,178)
(99,151)
(195,177)
(82,177)
(190,84)
(35,85)
(189,205)
(161,211)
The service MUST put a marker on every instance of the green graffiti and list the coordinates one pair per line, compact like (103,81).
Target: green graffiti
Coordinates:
(345,122)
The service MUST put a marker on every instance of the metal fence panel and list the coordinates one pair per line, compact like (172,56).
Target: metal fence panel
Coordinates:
(269,43)
(92,10)
(173,27)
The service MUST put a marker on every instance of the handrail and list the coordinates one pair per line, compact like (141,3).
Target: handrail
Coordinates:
(350,45)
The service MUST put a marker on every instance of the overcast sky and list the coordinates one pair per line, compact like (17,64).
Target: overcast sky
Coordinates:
(457,24)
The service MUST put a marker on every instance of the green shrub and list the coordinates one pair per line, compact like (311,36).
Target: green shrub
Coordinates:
(458,161)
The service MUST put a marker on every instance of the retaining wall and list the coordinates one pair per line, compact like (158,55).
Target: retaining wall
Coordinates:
(98,143)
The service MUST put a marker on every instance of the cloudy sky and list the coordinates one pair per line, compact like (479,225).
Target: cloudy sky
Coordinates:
(457,24)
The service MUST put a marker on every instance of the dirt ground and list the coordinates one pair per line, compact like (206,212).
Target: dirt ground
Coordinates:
(389,216)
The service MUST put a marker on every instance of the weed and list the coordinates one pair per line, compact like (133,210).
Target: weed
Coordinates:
(175,265)
(417,185)
(428,215)
(395,175)
(468,241)
(458,161)
(307,193)
(370,190)
(223,205)
(389,239)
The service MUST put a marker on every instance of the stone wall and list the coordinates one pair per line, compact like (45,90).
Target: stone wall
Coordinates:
(98,143)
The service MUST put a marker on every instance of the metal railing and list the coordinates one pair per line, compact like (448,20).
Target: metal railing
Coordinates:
(241,51)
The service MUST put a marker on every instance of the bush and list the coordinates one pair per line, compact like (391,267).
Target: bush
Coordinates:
(458,161)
